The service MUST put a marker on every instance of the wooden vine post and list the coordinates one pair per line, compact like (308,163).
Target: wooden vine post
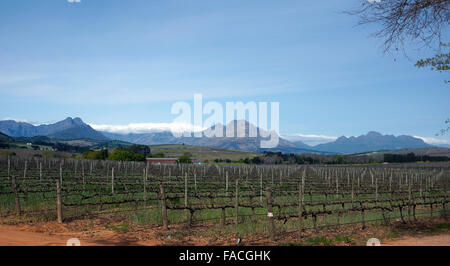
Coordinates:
(409,200)
(376,189)
(195,183)
(261,188)
(112,180)
(188,213)
(83,176)
(300,205)
(363,216)
(226,183)
(59,201)
(25,171)
(270,214)
(236,206)
(222,217)
(337,185)
(353,196)
(16,194)
(169,177)
(60,174)
(144,177)
(163,207)
(358,186)
(9,167)
(40,172)
(390,183)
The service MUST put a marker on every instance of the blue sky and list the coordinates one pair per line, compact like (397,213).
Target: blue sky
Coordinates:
(114,62)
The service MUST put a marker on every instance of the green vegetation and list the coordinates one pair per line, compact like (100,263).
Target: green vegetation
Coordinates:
(140,149)
(440,62)
(411,157)
(157,155)
(184,159)
(346,239)
(119,154)
(95,155)
(269,157)
(133,153)
(121,228)
(202,153)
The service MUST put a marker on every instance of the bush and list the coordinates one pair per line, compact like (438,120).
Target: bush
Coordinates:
(96,155)
(124,155)
(184,159)
(140,149)
(158,155)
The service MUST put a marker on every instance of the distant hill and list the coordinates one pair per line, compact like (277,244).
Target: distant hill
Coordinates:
(246,143)
(5,138)
(76,130)
(17,129)
(66,129)
(301,145)
(372,141)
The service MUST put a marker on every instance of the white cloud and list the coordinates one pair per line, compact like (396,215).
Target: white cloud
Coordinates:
(15,119)
(433,141)
(146,127)
(309,139)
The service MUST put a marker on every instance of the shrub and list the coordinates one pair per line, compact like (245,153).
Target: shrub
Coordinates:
(184,159)
(124,155)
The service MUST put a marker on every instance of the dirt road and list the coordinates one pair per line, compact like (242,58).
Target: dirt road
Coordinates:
(17,236)
(435,240)
(11,235)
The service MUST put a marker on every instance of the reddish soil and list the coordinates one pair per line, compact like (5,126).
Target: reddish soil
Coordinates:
(103,232)
(25,235)
(437,240)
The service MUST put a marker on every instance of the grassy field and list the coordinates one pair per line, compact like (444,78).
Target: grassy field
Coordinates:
(201,153)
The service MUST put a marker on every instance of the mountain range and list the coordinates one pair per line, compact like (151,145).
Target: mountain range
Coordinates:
(76,129)
(233,143)
(372,141)
(66,129)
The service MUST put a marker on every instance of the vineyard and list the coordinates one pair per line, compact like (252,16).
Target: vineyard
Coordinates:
(237,199)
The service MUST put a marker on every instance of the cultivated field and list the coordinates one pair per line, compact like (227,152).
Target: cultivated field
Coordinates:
(201,153)
(245,200)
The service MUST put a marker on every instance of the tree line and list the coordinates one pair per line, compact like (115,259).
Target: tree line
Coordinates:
(411,157)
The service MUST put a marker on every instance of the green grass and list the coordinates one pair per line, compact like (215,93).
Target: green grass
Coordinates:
(202,153)
(121,228)
(314,241)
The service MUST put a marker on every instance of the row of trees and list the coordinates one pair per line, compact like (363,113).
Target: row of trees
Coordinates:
(291,158)
(132,153)
(411,157)
(282,158)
